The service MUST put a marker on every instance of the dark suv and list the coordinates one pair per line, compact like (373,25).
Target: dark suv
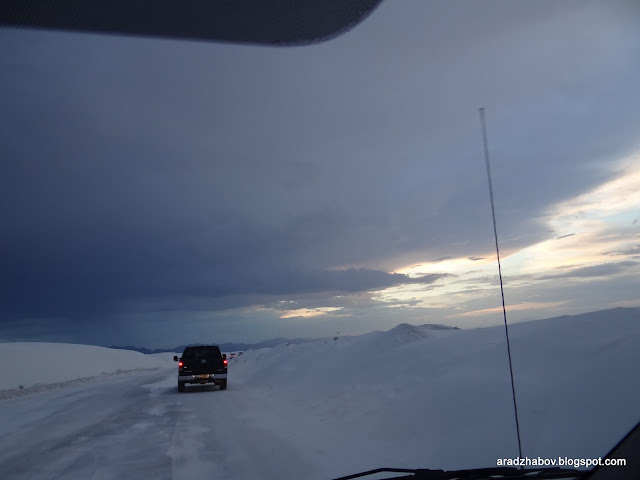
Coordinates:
(202,364)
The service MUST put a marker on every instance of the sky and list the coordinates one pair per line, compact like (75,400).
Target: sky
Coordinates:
(162,192)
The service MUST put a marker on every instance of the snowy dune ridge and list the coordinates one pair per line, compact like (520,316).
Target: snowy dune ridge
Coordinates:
(425,395)
(449,393)
(40,366)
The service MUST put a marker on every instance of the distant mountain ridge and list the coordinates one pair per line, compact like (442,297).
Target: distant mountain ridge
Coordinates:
(402,329)
(274,342)
(224,347)
(435,326)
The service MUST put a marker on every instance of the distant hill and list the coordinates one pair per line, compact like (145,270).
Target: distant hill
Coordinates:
(437,326)
(146,351)
(225,347)
(402,328)
(274,342)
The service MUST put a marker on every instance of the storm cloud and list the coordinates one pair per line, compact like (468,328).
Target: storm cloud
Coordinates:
(603,270)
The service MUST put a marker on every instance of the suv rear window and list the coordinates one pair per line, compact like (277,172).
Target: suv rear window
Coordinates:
(199,352)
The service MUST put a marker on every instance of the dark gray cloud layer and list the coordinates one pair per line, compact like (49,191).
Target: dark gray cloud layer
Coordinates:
(602,270)
(142,169)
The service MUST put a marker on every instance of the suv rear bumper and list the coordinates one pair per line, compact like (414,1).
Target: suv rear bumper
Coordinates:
(201,378)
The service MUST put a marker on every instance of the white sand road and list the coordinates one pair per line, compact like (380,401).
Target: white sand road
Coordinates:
(120,428)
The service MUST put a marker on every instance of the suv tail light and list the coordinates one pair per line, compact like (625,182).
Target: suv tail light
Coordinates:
(180,365)
(225,362)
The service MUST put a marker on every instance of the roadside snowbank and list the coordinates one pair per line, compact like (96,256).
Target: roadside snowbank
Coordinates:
(443,398)
(33,366)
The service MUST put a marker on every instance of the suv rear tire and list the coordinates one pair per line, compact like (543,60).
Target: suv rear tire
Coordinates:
(223,385)
(181,386)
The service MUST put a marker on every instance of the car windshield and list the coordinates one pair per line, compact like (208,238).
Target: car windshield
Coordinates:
(322,214)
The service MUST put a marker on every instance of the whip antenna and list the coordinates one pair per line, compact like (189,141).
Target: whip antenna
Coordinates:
(504,310)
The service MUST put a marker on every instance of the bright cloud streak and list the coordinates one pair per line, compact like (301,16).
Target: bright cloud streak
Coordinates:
(592,229)
(453,266)
(601,220)
(616,201)
(309,312)
(519,306)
